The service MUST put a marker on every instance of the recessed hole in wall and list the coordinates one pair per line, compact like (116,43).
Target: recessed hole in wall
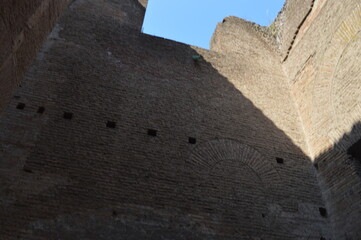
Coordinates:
(279,160)
(68,115)
(25,169)
(111,124)
(152,132)
(355,150)
(316,166)
(114,213)
(323,212)
(263,215)
(208,209)
(192,140)
(20,106)
(41,110)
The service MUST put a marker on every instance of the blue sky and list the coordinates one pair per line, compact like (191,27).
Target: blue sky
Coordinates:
(194,21)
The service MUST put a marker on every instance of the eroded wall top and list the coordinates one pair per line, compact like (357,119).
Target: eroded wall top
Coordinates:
(288,22)
(236,35)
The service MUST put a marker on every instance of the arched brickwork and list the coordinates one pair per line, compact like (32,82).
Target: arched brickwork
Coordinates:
(115,180)
(337,89)
(237,175)
(326,83)
(211,154)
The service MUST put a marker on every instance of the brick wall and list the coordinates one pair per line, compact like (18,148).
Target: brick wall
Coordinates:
(323,68)
(79,158)
(23,27)
(289,21)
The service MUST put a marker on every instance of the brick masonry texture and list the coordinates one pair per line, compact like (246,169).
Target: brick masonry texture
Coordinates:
(289,21)
(78,159)
(324,75)
(24,25)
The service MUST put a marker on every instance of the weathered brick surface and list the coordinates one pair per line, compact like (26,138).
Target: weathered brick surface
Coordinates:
(244,107)
(77,179)
(24,25)
(324,72)
(289,22)
(235,35)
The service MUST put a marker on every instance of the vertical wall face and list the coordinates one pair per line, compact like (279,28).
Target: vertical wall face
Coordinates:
(237,36)
(289,21)
(267,89)
(115,134)
(324,70)
(23,27)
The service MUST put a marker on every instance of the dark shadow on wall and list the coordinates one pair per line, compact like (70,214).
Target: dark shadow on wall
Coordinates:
(348,147)
(23,26)
(339,174)
(78,178)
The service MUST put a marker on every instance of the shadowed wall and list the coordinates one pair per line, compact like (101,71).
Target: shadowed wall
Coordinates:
(23,27)
(114,134)
(325,78)
(221,166)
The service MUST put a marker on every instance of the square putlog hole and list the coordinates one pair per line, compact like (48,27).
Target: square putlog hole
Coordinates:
(111,124)
(28,170)
(323,212)
(68,115)
(316,166)
(152,132)
(355,150)
(114,213)
(41,110)
(279,160)
(20,106)
(192,140)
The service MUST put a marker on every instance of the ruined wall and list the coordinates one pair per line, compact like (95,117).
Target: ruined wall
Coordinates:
(288,23)
(323,68)
(23,27)
(247,42)
(144,3)
(237,36)
(115,134)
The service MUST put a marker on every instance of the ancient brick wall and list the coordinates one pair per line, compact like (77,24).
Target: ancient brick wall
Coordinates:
(237,36)
(23,27)
(289,21)
(115,134)
(247,43)
(324,72)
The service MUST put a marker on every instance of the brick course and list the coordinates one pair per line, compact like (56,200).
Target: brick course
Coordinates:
(75,178)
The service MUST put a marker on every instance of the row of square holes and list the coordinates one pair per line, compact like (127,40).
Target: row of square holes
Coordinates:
(109,124)
(21,106)
(152,132)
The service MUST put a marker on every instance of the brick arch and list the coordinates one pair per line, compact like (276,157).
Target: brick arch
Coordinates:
(346,94)
(332,95)
(211,153)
